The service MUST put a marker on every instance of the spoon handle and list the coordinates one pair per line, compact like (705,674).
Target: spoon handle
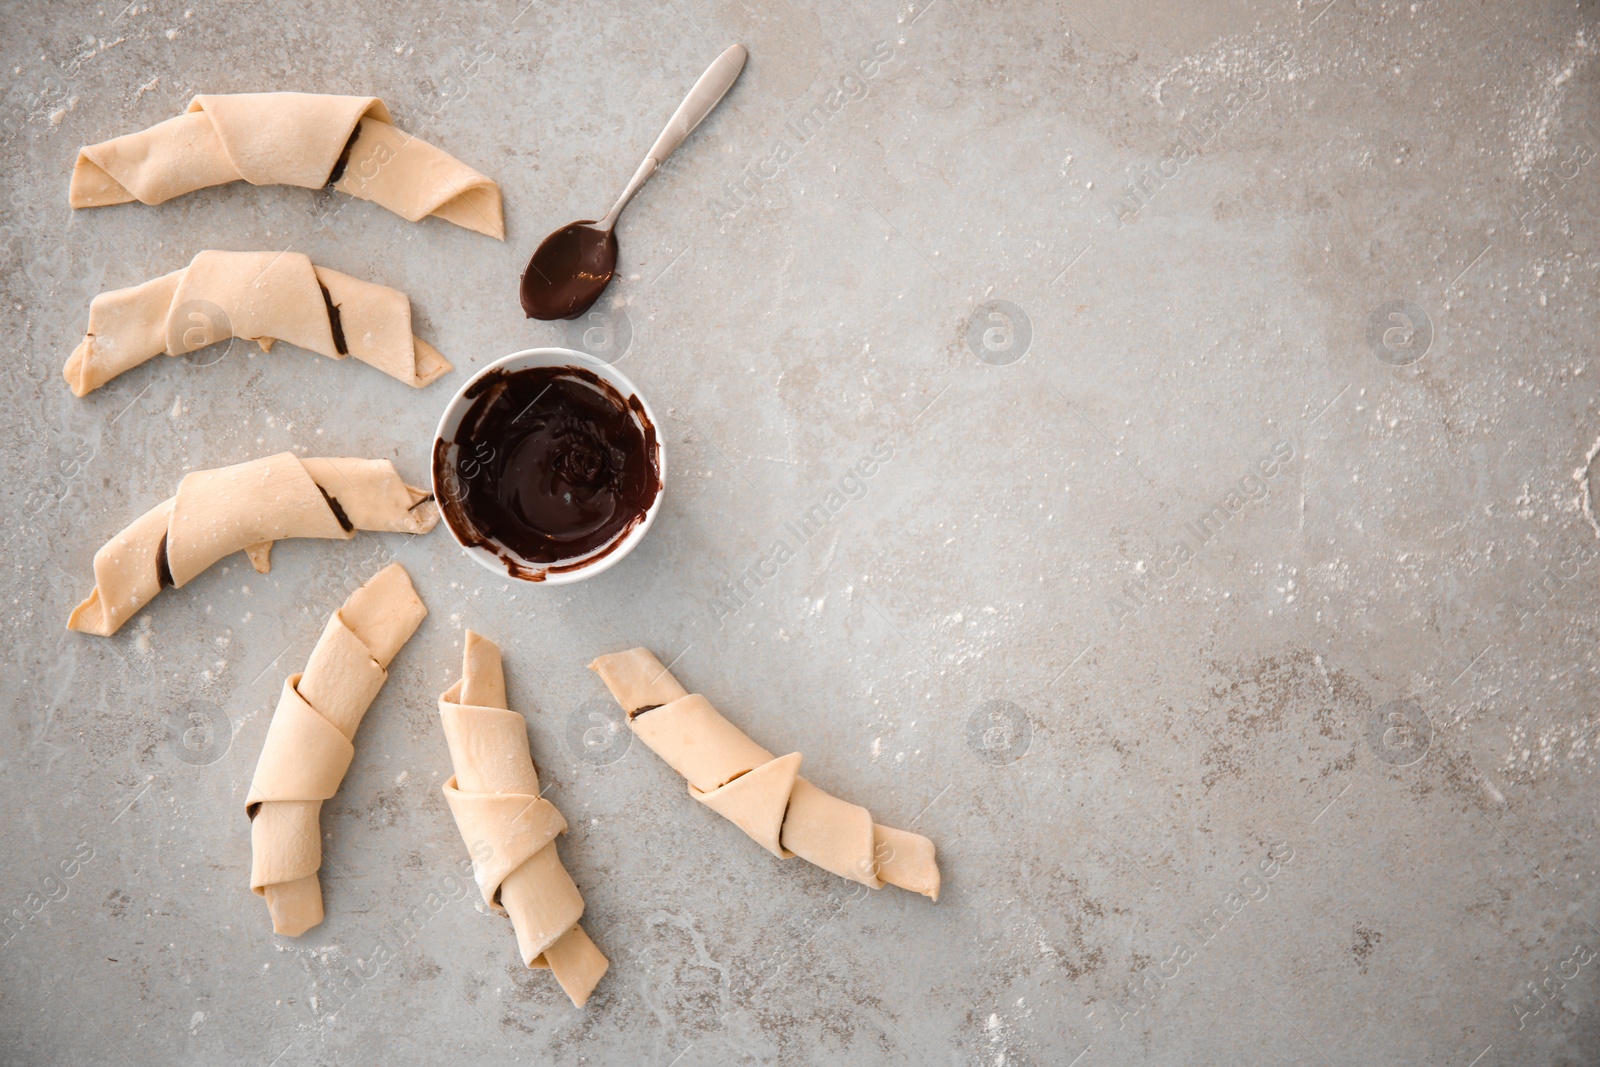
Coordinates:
(706,94)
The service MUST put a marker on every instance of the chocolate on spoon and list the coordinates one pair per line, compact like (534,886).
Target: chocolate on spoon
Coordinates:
(570,270)
(573,266)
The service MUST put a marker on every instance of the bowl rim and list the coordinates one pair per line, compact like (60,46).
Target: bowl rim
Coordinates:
(579,568)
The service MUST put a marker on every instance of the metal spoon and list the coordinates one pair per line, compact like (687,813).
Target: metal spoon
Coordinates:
(573,266)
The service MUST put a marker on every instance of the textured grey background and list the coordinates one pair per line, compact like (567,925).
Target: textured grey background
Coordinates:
(1381,662)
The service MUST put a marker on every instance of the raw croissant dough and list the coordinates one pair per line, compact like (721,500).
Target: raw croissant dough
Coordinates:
(309,743)
(758,792)
(257,296)
(247,506)
(510,831)
(305,139)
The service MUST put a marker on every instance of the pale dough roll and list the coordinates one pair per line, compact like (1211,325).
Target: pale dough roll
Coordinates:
(694,738)
(309,743)
(414,179)
(256,296)
(760,793)
(509,830)
(245,507)
(288,139)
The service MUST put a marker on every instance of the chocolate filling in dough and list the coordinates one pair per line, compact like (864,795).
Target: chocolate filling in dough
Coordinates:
(551,463)
(344,158)
(163,568)
(333,506)
(334,323)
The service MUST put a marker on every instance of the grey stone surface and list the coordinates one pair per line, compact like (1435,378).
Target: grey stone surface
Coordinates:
(1362,698)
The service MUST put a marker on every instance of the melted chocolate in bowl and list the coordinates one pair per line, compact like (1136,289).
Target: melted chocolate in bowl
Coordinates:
(549,466)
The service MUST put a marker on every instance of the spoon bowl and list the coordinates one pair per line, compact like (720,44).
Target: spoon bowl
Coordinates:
(569,271)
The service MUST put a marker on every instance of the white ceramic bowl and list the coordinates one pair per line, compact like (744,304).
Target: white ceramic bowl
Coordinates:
(505,562)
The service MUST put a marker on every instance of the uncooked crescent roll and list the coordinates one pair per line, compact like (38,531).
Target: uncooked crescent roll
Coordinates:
(258,296)
(247,506)
(510,831)
(760,793)
(305,139)
(309,743)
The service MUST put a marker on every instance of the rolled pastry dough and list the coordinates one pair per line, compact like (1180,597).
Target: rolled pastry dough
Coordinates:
(508,828)
(309,743)
(305,139)
(258,296)
(758,792)
(247,506)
